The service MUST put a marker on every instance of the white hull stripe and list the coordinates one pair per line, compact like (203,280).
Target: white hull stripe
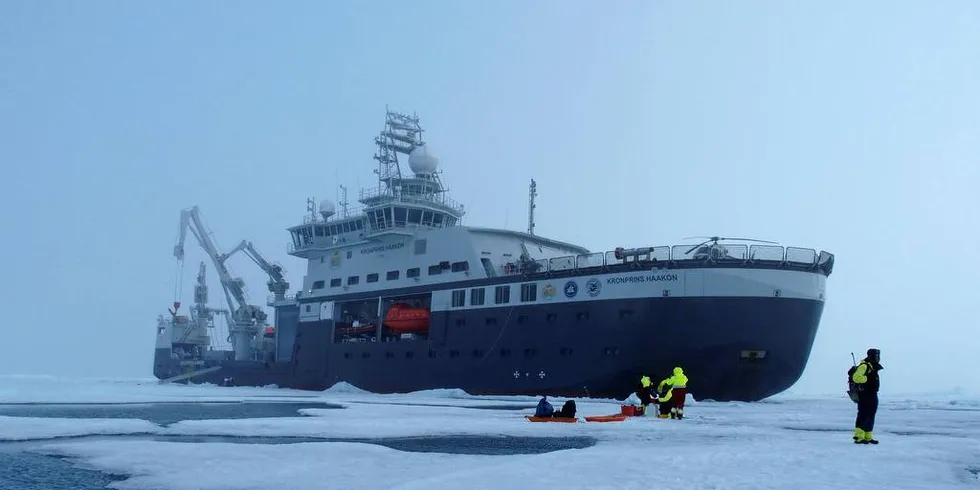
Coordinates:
(655,283)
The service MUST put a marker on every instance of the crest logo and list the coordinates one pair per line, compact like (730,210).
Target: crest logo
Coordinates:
(571,289)
(593,287)
(335,259)
(548,291)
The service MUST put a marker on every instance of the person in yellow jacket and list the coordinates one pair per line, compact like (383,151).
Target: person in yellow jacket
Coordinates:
(676,394)
(867,380)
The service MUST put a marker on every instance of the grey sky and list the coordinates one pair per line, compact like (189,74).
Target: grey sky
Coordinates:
(848,127)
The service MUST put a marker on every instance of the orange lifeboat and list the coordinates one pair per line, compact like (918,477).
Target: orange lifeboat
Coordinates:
(403,318)
(269,332)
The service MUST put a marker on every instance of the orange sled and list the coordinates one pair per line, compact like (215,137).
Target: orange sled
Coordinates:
(551,419)
(606,418)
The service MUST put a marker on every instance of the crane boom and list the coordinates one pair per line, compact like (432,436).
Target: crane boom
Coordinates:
(277,275)
(234,287)
(246,318)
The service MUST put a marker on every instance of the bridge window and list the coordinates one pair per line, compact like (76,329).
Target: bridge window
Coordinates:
(529,292)
(437,220)
(319,231)
(318,284)
(435,270)
(459,298)
(335,282)
(392,275)
(372,277)
(461,266)
(401,216)
(502,294)
(477,296)
(352,280)
(413,272)
(415,216)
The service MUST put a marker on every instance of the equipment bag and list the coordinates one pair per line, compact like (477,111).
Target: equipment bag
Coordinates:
(852,387)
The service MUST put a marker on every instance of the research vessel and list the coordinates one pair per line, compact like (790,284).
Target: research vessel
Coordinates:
(400,296)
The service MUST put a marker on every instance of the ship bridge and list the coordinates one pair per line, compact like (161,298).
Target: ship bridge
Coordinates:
(399,205)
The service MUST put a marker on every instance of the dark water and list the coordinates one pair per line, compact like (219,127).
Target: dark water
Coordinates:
(21,470)
(163,413)
(459,444)
(474,407)
(27,471)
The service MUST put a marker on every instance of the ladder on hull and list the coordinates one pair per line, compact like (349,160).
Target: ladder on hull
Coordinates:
(193,374)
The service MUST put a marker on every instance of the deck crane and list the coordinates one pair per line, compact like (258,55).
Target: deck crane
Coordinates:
(246,319)
(277,275)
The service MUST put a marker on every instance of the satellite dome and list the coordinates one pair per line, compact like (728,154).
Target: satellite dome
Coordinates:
(327,208)
(422,161)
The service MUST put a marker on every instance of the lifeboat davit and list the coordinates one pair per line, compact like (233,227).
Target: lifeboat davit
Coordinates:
(403,318)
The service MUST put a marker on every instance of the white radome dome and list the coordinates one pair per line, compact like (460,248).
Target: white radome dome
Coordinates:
(422,161)
(327,208)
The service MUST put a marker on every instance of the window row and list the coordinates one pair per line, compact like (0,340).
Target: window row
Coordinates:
(434,270)
(582,316)
(501,295)
(504,353)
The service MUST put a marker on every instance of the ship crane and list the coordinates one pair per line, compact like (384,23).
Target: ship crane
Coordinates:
(245,318)
(277,275)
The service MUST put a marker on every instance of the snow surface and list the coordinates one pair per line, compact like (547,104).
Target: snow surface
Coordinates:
(785,442)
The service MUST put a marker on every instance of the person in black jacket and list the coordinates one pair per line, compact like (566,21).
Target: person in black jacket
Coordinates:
(867,380)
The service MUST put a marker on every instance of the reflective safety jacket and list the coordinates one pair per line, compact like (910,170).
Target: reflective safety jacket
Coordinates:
(866,376)
(678,380)
(645,382)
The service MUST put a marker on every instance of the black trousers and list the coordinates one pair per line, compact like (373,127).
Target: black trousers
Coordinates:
(867,408)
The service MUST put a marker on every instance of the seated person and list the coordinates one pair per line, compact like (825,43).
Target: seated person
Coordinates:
(567,410)
(544,408)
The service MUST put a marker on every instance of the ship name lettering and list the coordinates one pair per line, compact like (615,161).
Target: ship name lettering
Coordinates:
(649,278)
(382,248)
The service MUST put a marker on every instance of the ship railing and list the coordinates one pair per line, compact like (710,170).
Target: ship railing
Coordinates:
(678,255)
(340,215)
(287,300)
(440,198)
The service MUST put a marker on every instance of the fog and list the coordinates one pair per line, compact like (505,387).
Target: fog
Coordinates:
(850,128)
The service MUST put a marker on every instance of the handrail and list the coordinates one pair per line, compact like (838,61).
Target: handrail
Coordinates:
(738,254)
(440,198)
(287,299)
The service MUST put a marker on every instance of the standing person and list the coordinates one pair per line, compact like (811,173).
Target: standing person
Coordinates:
(866,378)
(643,392)
(678,392)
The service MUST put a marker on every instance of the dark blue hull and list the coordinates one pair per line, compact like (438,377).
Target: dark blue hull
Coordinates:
(731,348)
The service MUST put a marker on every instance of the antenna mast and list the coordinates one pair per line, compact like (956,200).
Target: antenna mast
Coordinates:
(343,201)
(532,193)
(311,207)
(402,134)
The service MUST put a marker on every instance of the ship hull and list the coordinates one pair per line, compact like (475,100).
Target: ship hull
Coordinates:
(731,348)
